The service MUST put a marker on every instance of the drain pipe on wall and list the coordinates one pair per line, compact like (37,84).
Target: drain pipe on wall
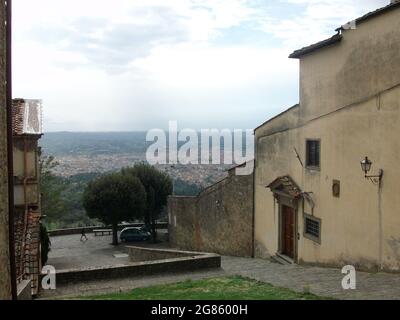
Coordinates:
(380,225)
(10,151)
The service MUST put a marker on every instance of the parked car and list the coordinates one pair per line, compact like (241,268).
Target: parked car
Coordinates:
(134,234)
(145,228)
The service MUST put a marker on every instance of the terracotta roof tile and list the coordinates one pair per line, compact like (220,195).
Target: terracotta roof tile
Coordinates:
(27,117)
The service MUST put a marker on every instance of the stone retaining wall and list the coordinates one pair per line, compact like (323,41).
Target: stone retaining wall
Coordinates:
(219,219)
(171,265)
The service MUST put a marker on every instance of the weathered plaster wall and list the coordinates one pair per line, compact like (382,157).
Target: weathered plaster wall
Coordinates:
(350,99)
(365,62)
(360,227)
(181,216)
(25,152)
(5,288)
(218,220)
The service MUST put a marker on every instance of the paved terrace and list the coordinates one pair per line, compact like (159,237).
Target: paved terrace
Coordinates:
(69,252)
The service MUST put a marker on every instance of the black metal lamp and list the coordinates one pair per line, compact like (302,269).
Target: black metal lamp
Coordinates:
(366,165)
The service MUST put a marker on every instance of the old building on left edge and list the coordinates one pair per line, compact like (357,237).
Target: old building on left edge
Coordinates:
(27,130)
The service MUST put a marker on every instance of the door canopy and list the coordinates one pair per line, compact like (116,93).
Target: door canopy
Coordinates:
(285,186)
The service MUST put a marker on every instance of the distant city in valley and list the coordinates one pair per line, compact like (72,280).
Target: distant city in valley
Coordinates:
(86,152)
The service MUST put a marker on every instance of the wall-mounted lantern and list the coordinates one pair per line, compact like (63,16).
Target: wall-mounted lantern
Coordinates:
(366,165)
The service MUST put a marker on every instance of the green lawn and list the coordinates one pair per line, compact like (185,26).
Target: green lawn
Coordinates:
(224,288)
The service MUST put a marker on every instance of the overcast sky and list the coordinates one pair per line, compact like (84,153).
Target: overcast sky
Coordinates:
(128,65)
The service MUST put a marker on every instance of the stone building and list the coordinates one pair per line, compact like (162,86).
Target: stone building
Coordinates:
(5,273)
(313,203)
(219,219)
(27,130)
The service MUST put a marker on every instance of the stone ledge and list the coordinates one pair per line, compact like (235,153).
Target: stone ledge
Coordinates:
(190,262)
(24,290)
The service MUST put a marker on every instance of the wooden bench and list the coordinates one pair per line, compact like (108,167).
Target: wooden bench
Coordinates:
(102,232)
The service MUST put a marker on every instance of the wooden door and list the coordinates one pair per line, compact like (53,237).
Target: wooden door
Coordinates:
(287,231)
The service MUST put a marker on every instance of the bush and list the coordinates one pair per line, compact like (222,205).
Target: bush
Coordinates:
(45,244)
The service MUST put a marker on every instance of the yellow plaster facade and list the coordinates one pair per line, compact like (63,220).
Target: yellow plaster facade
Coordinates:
(350,101)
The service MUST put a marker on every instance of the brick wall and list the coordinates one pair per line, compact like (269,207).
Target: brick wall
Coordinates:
(219,219)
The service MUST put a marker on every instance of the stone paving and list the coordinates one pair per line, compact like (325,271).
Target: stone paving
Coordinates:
(321,281)
(68,252)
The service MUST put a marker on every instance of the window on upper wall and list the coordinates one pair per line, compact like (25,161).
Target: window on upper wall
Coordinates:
(313,153)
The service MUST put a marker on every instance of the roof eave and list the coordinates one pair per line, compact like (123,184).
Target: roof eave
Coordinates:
(338,37)
(277,116)
(317,46)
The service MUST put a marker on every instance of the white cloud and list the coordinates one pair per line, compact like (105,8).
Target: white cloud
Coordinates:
(134,64)
(115,33)
(316,19)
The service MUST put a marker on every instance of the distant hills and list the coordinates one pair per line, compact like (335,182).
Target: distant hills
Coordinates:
(93,143)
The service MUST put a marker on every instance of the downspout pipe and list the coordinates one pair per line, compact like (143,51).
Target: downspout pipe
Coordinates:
(10,150)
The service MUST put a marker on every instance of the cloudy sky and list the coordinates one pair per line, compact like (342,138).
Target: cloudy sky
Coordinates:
(128,65)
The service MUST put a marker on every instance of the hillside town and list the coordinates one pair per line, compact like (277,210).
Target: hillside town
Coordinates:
(201,175)
(313,215)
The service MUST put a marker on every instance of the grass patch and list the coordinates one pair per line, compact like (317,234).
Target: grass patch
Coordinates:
(223,288)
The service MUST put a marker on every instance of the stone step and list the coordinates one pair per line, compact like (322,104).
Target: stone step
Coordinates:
(281,260)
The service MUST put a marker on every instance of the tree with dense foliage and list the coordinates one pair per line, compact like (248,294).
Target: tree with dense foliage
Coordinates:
(113,198)
(158,187)
(61,197)
(51,188)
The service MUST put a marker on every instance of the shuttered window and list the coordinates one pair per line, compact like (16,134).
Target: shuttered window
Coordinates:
(313,153)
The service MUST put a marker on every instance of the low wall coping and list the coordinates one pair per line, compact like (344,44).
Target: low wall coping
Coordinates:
(188,253)
(138,263)
(193,261)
